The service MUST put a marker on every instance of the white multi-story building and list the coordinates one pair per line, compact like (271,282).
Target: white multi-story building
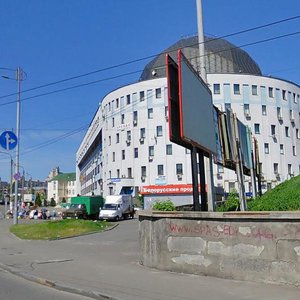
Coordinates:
(127,145)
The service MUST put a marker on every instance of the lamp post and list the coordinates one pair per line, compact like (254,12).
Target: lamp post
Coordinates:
(11,179)
(19,78)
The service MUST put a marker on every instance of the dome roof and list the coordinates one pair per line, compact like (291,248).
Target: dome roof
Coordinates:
(220,57)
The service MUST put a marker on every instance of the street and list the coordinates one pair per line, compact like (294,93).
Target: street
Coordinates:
(13,288)
(107,264)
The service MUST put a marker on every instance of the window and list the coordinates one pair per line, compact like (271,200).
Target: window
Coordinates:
(284,94)
(128,135)
(109,174)
(118,138)
(158,93)
(294,151)
(273,129)
(117,103)
(236,89)
(109,106)
(279,114)
(159,131)
(271,92)
(246,110)
(166,113)
(297,133)
(179,169)
(254,90)
(220,169)
(281,149)
(290,169)
(135,118)
(143,133)
(136,152)
(231,186)
(275,168)
(217,90)
(292,115)
(264,110)
(113,122)
(113,156)
(143,171)
(109,140)
(128,100)
(227,106)
(160,170)
(123,154)
(118,173)
(169,149)
(287,131)
(151,150)
(257,128)
(150,113)
(129,173)
(266,147)
(142,96)
(122,119)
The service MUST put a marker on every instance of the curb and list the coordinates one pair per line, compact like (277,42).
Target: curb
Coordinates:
(56,285)
(88,233)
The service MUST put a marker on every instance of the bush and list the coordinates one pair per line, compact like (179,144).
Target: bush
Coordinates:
(231,204)
(284,197)
(164,205)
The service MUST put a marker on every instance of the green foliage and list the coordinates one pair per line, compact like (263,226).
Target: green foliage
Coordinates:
(38,200)
(57,229)
(284,197)
(52,202)
(164,205)
(231,204)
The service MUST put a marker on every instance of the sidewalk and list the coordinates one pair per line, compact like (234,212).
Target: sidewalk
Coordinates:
(105,266)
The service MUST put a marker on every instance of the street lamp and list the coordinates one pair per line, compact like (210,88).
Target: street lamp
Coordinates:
(11,175)
(19,78)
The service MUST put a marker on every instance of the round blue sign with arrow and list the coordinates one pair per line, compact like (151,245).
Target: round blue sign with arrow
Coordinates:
(8,140)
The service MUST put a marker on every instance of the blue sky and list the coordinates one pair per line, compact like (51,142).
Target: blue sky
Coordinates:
(57,39)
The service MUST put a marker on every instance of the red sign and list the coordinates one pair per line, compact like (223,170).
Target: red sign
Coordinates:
(167,189)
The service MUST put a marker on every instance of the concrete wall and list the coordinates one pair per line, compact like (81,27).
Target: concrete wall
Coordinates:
(263,247)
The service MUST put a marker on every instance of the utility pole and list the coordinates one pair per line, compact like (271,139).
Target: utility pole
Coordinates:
(208,161)
(18,78)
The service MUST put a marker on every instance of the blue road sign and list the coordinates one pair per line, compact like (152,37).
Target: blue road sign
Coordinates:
(8,140)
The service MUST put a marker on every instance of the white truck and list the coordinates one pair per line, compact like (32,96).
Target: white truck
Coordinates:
(117,207)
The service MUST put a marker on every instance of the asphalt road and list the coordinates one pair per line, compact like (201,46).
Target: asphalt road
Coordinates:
(13,288)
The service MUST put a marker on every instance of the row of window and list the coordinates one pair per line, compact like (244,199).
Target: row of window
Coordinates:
(267,149)
(264,112)
(128,99)
(254,91)
(273,130)
(135,117)
(160,172)
(159,133)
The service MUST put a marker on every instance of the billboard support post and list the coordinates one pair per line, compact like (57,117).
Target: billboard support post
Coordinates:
(203,191)
(196,204)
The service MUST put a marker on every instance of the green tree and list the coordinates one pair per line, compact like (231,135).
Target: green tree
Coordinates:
(38,200)
(52,202)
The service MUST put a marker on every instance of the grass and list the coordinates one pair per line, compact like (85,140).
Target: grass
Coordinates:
(57,229)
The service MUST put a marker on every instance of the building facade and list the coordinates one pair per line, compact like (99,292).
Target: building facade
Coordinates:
(127,144)
(61,186)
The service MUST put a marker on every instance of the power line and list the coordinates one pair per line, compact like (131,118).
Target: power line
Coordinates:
(134,72)
(153,55)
